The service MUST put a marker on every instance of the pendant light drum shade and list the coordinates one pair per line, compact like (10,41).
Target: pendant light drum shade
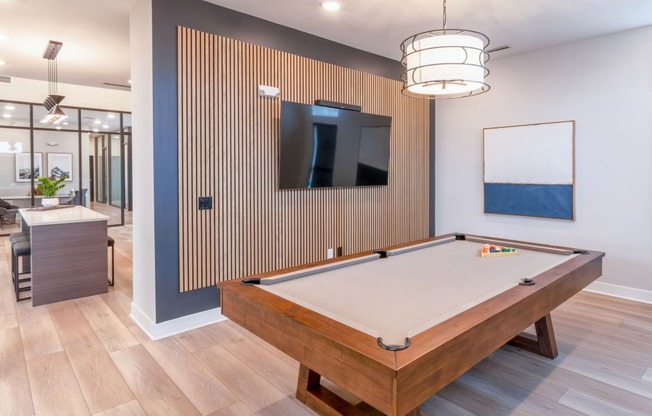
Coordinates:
(445,63)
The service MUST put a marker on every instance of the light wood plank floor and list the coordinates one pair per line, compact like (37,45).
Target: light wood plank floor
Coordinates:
(87,357)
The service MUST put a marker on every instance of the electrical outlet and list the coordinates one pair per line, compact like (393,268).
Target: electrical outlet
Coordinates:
(329,253)
(205,202)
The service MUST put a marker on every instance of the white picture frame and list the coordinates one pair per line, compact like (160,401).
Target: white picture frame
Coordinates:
(529,170)
(60,164)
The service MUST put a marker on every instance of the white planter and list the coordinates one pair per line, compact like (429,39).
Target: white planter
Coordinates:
(50,202)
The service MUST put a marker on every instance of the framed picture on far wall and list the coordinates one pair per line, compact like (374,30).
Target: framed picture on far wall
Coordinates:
(24,170)
(60,164)
(529,170)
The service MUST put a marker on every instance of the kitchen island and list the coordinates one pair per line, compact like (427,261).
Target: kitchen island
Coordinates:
(68,252)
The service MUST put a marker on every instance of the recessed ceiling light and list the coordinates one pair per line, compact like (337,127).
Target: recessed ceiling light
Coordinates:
(2,62)
(105,126)
(110,115)
(331,6)
(58,128)
(65,123)
(97,122)
(96,130)
(6,115)
(9,107)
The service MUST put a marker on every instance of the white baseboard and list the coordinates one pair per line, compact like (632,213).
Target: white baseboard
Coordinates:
(624,292)
(175,326)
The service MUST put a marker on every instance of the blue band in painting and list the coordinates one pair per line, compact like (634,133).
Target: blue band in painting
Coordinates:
(548,201)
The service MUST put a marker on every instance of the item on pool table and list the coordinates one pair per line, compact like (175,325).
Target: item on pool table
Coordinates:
(492,250)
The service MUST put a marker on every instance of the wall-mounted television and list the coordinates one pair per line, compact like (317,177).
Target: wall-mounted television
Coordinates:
(326,147)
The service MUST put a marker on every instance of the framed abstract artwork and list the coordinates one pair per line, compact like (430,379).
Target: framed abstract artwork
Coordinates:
(529,170)
(60,164)
(25,172)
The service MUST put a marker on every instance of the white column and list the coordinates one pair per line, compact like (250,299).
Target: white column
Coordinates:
(143,306)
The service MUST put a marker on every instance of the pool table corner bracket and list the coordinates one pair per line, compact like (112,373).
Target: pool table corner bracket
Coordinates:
(390,347)
(526,281)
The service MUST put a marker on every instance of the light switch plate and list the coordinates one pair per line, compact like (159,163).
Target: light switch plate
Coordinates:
(205,202)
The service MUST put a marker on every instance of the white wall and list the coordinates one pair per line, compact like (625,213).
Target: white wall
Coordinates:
(605,85)
(143,307)
(33,91)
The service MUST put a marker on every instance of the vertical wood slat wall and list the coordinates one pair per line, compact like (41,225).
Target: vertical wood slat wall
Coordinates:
(228,149)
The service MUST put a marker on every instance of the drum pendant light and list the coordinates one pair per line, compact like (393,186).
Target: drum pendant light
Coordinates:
(445,63)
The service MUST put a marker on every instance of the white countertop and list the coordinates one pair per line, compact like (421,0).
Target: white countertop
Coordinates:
(36,217)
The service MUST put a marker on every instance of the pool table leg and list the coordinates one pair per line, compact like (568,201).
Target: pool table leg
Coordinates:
(325,402)
(317,397)
(544,343)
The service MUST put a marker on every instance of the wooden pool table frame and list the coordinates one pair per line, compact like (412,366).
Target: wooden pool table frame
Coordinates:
(396,383)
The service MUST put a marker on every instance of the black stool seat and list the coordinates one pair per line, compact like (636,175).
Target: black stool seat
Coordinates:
(19,249)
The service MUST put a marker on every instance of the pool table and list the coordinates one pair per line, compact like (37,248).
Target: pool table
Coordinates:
(396,325)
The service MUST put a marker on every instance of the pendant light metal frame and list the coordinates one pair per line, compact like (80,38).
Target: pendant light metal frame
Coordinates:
(412,50)
(55,114)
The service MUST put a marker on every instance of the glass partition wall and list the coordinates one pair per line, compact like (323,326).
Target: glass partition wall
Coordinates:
(91,147)
(109,143)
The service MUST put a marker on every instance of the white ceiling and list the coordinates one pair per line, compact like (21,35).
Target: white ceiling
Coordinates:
(95,36)
(95,33)
(379,26)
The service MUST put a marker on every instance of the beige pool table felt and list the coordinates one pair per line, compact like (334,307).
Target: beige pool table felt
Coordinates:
(411,291)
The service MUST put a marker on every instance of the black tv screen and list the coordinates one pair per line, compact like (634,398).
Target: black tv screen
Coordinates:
(324,147)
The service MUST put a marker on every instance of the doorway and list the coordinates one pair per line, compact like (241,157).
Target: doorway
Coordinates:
(110,162)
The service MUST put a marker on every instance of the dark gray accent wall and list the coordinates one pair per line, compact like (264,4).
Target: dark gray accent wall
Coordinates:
(200,15)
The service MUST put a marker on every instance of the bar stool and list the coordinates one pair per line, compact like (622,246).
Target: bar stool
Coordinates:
(111,243)
(14,238)
(19,249)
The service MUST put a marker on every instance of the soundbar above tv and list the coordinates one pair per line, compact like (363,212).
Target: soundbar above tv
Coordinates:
(327,147)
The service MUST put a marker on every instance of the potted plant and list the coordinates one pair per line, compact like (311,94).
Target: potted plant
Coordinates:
(49,187)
